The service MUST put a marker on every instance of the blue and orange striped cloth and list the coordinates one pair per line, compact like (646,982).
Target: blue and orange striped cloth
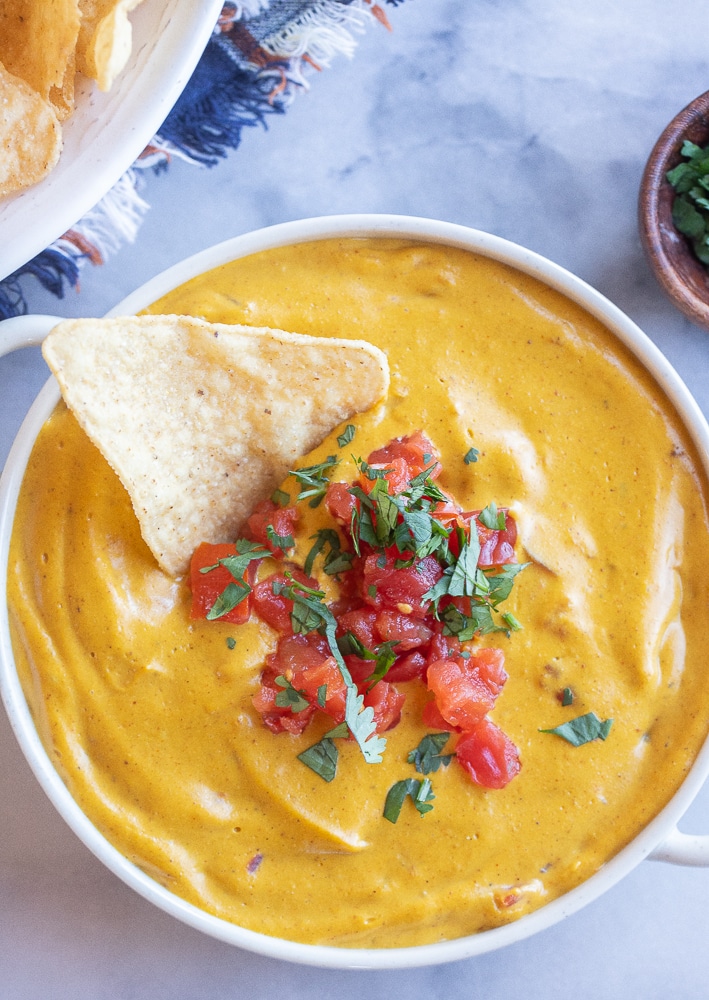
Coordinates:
(256,61)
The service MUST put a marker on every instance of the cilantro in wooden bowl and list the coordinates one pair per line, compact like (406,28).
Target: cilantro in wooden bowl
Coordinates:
(674,224)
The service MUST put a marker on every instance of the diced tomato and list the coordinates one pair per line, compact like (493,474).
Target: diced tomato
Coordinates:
(407,667)
(387,703)
(206,587)
(490,666)
(497,546)
(385,586)
(340,502)
(432,718)
(441,647)
(361,623)
(415,449)
(466,690)
(405,631)
(277,718)
(395,473)
(268,514)
(306,661)
(488,755)
(275,609)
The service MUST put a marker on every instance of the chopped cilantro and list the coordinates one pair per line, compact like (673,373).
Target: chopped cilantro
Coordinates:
(335,560)
(231,642)
(493,518)
(427,756)
(582,729)
(310,613)
(567,697)
(232,595)
(289,697)
(346,436)
(281,498)
(322,758)
(284,542)
(690,208)
(471,456)
(314,480)
(420,793)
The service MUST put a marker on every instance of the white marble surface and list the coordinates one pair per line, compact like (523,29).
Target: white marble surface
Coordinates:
(528,118)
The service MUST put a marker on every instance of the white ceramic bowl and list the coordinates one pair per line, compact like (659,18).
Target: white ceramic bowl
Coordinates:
(660,839)
(108,131)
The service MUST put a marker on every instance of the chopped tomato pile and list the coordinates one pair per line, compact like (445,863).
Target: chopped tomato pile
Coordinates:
(420,580)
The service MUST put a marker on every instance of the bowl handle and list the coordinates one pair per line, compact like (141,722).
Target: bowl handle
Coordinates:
(25,331)
(683,849)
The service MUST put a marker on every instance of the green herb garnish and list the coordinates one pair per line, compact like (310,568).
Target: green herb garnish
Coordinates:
(288,697)
(328,541)
(310,613)
(314,480)
(583,729)
(322,758)
(690,208)
(427,756)
(420,793)
(471,456)
(346,436)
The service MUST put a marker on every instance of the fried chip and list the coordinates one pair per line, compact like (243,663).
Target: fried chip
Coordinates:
(30,134)
(105,39)
(200,420)
(38,41)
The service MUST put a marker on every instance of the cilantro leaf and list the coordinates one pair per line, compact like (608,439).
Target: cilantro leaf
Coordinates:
(420,793)
(232,595)
(314,480)
(346,436)
(427,756)
(471,455)
(289,697)
(582,729)
(322,758)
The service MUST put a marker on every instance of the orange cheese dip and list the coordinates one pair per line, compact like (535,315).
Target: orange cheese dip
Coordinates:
(147,714)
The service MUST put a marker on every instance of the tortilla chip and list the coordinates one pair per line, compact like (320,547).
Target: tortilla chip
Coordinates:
(105,39)
(201,420)
(30,134)
(37,41)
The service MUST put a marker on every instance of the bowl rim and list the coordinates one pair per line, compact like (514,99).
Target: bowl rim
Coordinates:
(662,826)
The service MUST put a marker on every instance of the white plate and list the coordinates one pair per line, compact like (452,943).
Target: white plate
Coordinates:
(107,132)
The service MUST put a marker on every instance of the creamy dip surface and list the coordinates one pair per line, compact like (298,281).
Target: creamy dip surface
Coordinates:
(147,714)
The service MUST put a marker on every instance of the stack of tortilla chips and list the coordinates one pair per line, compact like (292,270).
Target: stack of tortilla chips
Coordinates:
(42,47)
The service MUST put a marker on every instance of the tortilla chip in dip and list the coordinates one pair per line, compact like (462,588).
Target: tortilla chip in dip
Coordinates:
(202,420)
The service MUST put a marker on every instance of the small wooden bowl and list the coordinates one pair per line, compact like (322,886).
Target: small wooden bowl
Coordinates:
(669,253)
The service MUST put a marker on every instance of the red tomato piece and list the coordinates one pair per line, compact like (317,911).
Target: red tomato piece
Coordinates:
(415,449)
(466,690)
(387,703)
(488,755)
(206,587)
(340,503)
(405,631)
(395,473)
(497,547)
(361,623)
(275,609)
(306,661)
(267,514)
(385,586)
(277,718)
(406,668)
(432,718)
